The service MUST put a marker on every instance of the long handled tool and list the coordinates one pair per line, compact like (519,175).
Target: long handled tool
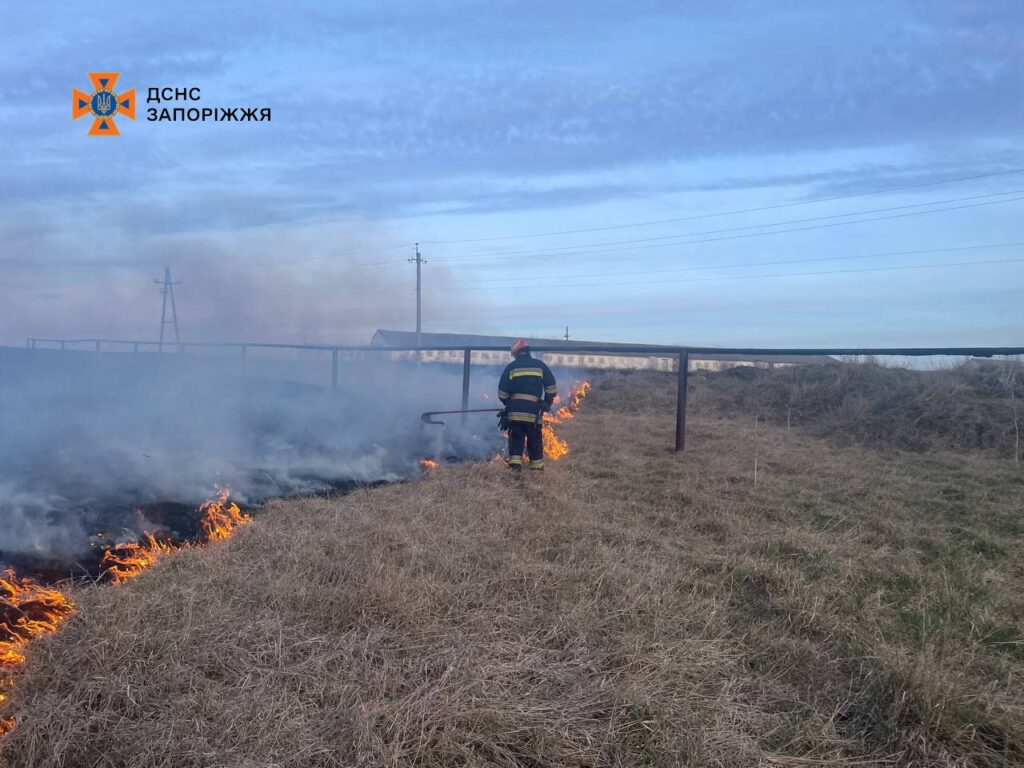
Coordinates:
(427,418)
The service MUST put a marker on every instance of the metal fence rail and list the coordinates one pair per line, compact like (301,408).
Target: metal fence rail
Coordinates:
(681,353)
(643,349)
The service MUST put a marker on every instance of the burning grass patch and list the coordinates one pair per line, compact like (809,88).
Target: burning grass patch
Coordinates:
(628,607)
(30,610)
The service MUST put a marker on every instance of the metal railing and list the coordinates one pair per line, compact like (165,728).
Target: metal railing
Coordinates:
(642,349)
(681,353)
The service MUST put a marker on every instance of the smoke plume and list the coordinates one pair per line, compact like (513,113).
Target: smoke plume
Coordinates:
(108,444)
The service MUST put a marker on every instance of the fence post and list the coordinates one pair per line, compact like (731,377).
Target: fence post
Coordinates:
(466,358)
(334,370)
(684,370)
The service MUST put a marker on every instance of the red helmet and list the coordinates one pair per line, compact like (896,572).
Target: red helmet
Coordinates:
(518,346)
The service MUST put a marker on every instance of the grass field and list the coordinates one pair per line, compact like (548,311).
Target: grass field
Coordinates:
(857,605)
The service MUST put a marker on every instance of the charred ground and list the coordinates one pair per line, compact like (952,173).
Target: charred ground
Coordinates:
(861,602)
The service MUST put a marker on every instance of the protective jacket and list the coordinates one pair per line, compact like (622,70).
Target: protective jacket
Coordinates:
(527,387)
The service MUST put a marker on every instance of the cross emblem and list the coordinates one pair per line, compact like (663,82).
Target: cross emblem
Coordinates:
(103,104)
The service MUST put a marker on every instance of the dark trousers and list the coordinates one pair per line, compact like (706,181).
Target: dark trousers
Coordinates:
(520,434)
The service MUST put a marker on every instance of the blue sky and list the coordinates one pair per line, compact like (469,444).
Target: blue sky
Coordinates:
(481,128)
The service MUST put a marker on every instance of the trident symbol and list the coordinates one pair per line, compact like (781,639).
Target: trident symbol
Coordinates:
(103,102)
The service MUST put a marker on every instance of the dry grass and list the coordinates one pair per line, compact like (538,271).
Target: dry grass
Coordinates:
(973,406)
(630,608)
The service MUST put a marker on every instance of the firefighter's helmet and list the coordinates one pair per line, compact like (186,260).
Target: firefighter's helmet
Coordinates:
(519,345)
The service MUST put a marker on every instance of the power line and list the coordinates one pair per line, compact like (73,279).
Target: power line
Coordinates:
(782,275)
(662,241)
(943,265)
(733,212)
(725,278)
(776,206)
(754,264)
(938,265)
(561,254)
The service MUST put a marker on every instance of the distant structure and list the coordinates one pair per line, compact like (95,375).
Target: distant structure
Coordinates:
(625,360)
(167,291)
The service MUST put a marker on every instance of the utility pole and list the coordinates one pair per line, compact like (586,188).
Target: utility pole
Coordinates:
(420,261)
(167,291)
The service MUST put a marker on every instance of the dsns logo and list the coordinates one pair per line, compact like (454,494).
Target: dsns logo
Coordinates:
(104,104)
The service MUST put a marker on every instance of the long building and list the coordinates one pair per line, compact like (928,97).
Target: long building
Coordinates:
(624,360)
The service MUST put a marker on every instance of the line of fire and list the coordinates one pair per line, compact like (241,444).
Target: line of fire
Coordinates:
(144,517)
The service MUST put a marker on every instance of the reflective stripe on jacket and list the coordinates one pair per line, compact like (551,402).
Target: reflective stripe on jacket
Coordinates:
(524,384)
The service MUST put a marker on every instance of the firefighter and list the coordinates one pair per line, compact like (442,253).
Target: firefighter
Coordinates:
(527,388)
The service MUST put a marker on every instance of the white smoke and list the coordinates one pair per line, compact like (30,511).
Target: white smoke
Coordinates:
(86,438)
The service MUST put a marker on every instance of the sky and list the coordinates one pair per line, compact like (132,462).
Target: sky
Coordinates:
(732,173)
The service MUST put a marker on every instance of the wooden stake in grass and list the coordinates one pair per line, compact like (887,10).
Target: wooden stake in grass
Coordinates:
(756,417)
(1009,380)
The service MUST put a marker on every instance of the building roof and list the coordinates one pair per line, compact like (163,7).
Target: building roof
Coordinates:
(389,338)
(386,338)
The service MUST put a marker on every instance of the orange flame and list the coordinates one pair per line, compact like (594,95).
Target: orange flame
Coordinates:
(428,463)
(126,561)
(556,447)
(578,392)
(29,609)
(221,517)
